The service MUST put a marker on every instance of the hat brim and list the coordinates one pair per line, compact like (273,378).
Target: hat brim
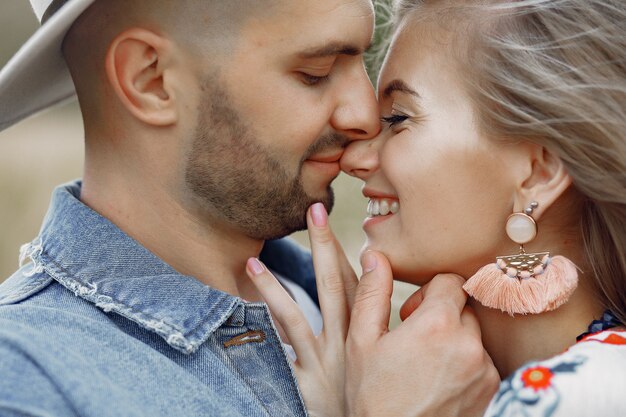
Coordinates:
(37,76)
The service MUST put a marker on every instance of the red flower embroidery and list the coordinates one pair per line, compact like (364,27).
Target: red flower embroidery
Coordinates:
(537,378)
(614,339)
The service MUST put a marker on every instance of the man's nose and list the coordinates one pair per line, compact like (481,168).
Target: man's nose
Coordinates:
(356,114)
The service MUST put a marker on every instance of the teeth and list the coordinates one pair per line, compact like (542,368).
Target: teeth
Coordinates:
(382,207)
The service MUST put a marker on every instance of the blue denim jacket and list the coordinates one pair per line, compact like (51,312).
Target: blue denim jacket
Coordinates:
(96,325)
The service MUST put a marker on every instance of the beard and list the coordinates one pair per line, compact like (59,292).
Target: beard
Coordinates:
(231,175)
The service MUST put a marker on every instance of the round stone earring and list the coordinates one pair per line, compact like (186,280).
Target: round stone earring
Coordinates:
(526,283)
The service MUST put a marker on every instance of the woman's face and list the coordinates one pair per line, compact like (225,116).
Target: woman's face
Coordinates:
(449,184)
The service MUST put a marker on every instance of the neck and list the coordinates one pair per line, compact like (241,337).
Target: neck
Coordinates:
(150,213)
(513,341)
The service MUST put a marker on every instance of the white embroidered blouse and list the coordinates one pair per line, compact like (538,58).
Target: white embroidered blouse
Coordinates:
(587,380)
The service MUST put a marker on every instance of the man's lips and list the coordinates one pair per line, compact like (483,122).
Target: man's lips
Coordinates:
(328,165)
(327,159)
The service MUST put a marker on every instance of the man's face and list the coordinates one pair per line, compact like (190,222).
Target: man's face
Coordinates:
(278,111)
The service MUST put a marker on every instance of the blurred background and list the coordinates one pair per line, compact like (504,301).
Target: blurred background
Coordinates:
(46,150)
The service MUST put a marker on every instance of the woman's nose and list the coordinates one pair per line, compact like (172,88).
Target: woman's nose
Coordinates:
(360,158)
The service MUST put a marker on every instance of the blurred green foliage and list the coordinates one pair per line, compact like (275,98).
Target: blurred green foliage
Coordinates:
(382,36)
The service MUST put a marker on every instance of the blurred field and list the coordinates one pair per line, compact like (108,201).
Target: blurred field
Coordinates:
(47,150)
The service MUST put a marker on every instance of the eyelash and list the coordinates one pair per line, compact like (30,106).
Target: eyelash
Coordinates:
(394,119)
(314,80)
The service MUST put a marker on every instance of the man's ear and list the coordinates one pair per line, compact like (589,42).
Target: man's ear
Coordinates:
(546,180)
(136,65)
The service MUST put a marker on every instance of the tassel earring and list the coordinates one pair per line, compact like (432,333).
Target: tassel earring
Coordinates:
(527,282)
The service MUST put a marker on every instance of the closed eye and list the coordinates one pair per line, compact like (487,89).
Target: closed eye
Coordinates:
(394,119)
(313,80)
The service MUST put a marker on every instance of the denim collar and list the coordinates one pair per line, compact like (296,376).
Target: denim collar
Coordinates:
(96,260)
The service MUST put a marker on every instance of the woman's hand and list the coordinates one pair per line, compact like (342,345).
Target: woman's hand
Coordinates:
(433,364)
(319,367)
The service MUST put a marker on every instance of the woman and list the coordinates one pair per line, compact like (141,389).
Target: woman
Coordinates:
(503,160)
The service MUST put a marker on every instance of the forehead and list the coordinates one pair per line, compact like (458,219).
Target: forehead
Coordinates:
(419,54)
(303,24)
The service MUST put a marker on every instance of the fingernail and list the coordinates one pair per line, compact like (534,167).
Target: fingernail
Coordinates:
(368,262)
(319,215)
(255,266)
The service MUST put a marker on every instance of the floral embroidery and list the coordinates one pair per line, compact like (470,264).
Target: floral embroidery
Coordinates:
(532,390)
(611,339)
(529,391)
(537,378)
(615,339)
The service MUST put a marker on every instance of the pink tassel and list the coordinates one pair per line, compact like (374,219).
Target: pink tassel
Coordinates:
(559,281)
(491,287)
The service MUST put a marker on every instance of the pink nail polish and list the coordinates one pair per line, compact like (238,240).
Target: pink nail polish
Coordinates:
(255,266)
(319,215)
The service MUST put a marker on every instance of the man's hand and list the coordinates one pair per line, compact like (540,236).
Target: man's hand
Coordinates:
(319,368)
(433,364)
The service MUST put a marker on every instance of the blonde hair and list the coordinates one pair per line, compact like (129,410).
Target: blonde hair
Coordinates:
(554,72)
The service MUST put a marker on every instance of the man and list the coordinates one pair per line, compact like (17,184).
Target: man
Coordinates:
(210,127)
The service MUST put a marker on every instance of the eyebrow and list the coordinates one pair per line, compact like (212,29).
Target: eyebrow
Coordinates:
(401,86)
(332,49)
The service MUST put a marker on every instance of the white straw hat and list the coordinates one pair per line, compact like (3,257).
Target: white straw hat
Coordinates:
(37,76)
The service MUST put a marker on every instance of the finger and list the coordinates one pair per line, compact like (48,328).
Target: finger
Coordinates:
(328,273)
(372,302)
(412,303)
(468,317)
(285,310)
(469,321)
(350,280)
(442,303)
(445,290)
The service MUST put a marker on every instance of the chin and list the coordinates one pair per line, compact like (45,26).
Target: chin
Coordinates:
(373,246)
(411,276)
(366,246)
(327,197)
(402,271)
(407,273)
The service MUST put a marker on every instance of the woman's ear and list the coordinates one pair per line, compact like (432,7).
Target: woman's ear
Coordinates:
(138,65)
(546,180)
